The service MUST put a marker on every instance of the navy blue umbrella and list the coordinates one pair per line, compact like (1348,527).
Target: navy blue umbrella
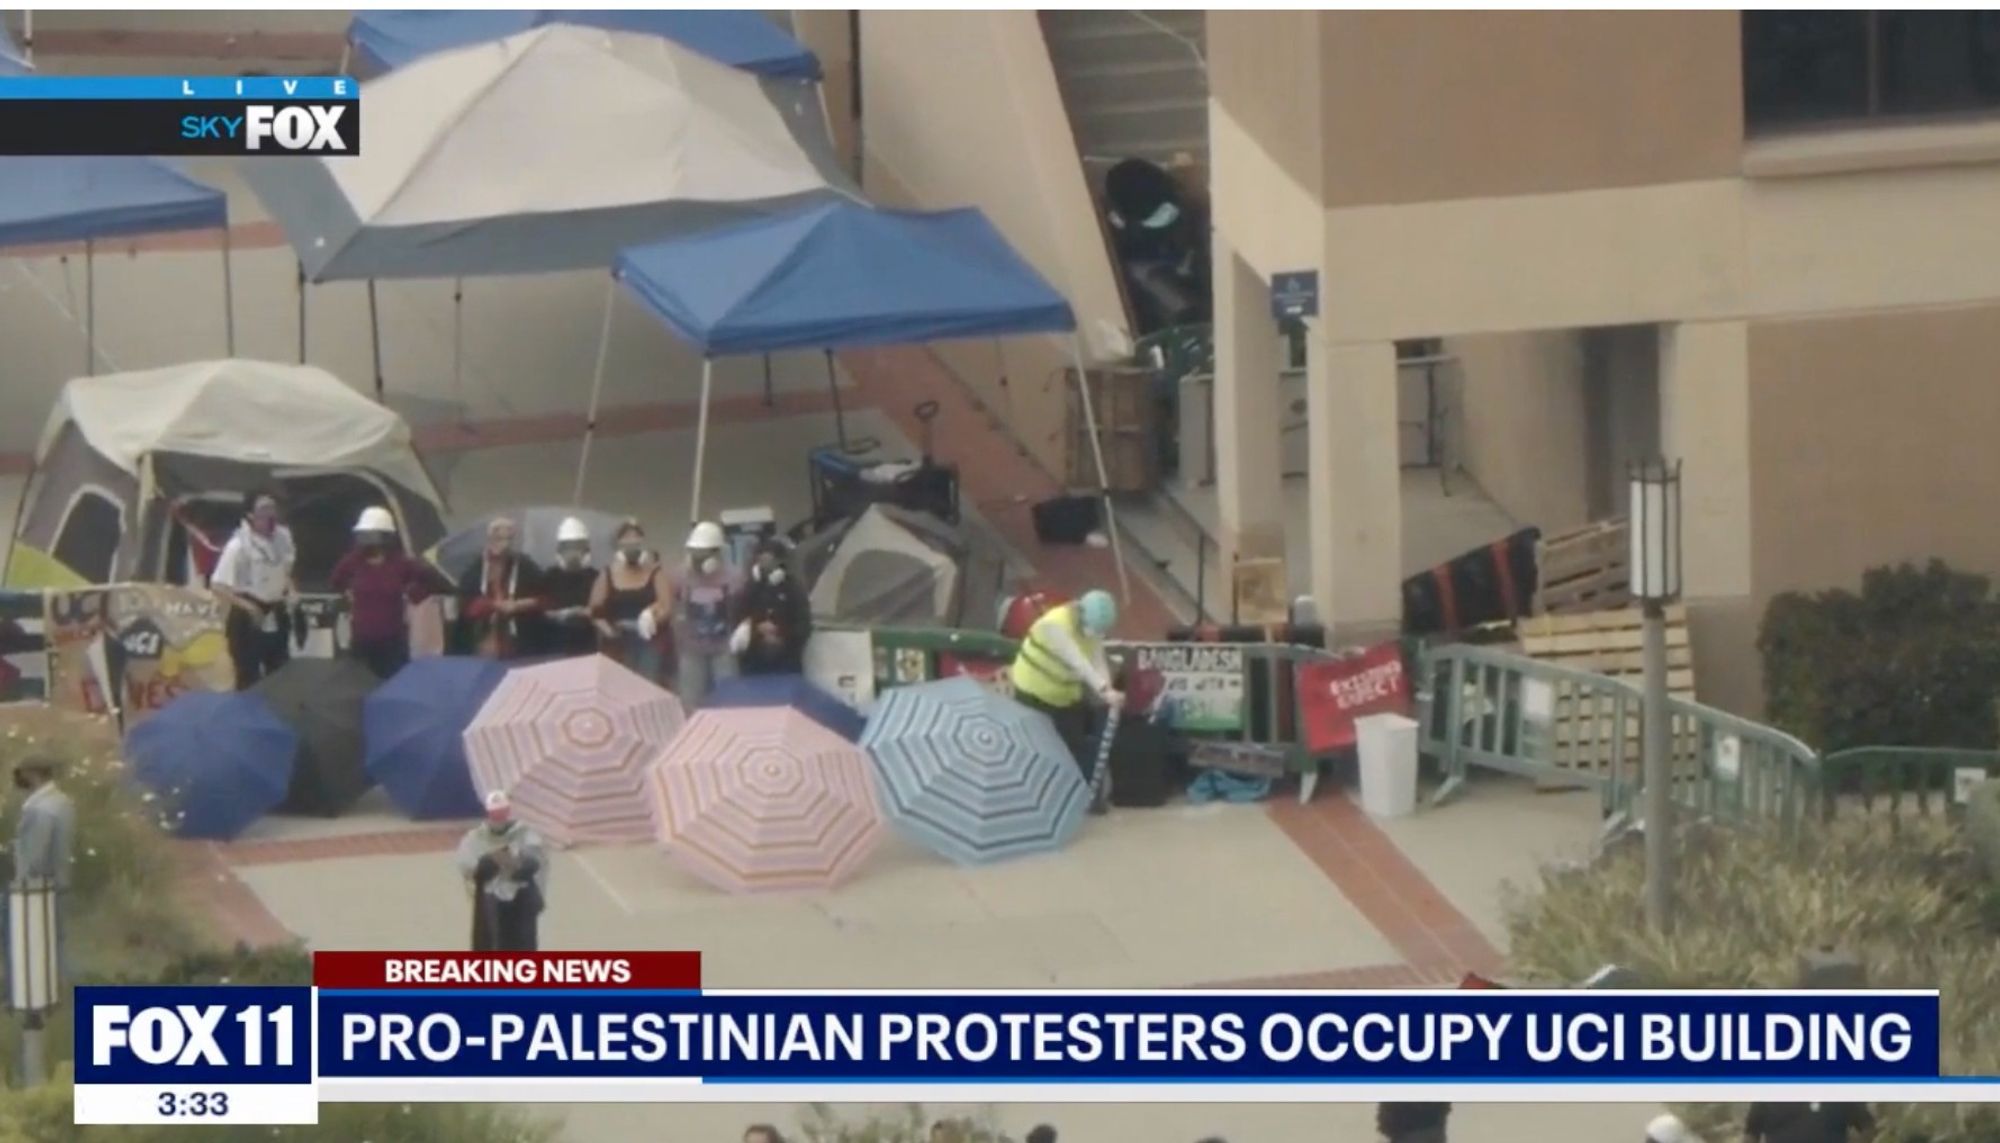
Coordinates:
(214,763)
(412,728)
(794,691)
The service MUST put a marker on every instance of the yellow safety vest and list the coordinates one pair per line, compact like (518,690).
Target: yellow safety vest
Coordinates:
(1039,672)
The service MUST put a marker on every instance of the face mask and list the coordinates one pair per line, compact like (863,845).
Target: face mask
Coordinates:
(371,544)
(709,565)
(775,576)
(571,560)
(632,553)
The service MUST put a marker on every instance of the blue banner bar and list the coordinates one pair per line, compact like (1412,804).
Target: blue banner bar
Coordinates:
(196,87)
(1191,1037)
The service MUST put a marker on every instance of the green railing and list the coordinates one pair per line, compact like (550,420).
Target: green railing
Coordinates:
(1902,779)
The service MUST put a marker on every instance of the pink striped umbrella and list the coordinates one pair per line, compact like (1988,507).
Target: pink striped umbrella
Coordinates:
(755,799)
(568,741)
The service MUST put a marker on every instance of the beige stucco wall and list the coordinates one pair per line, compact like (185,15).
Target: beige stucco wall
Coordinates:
(1431,106)
(829,32)
(1521,431)
(1264,137)
(961,108)
(1873,442)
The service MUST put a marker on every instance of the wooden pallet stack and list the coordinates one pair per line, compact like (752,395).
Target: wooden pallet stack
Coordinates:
(1584,570)
(1584,728)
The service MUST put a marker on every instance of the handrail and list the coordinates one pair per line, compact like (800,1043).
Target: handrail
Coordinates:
(1194,49)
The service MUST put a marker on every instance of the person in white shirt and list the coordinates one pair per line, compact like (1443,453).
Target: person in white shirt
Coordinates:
(253,578)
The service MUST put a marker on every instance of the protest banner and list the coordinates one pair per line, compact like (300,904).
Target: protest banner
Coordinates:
(129,649)
(1333,693)
(1201,684)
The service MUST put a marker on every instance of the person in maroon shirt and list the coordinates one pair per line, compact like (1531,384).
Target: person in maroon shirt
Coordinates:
(380,582)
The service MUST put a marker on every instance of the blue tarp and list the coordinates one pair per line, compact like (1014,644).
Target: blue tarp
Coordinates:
(12,62)
(214,763)
(72,199)
(842,275)
(741,39)
(794,691)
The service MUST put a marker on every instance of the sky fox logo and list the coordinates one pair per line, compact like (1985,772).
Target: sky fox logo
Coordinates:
(315,128)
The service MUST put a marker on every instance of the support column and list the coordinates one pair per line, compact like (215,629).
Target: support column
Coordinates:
(1247,414)
(1705,424)
(1356,508)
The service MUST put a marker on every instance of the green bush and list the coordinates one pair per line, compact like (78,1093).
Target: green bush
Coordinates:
(825,1124)
(1910,898)
(1982,829)
(1912,660)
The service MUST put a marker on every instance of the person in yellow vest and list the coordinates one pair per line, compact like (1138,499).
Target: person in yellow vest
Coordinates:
(1060,667)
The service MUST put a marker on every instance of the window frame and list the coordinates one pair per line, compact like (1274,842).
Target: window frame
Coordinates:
(68,517)
(1873,64)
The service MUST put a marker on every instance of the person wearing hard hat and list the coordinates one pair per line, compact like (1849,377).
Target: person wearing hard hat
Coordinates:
(1060,667)
(379,582)
(506,868)
(706,602)
(565,629)
(628,603)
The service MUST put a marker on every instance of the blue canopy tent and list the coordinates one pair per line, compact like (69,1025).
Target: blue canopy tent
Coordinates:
(742,39)
(841,275)
(86,198)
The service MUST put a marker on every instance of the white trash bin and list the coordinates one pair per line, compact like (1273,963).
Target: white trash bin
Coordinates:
(1387,744)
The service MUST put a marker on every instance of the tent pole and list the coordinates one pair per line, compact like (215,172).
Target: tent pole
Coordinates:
(701,439)
(839,413)
(302,311)
(89,308)
(458,350)
(375,341)
(1097,457)
(228,296)
(346,57)
(596,389)
(770,398)
(28,35)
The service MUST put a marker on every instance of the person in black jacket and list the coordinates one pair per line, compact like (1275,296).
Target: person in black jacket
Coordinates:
(1412,1122)
(777,615)
(498,597)
(565,629)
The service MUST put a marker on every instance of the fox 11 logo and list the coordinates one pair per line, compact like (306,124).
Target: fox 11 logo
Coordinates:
(204,1035)
(263,128)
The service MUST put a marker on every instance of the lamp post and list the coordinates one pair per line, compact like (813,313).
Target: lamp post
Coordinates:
(34,973)
(1655,523)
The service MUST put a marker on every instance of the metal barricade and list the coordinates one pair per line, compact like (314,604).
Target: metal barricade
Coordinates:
(1902,780)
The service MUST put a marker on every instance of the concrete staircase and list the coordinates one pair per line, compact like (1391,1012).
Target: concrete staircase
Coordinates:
(1135,82)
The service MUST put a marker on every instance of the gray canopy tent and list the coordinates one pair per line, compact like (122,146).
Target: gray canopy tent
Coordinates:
(545,151)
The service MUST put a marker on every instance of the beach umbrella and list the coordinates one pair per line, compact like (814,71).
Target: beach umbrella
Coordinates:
(457,554)
(412,729)
(971,775)
(793,692)
(321,700)
(568,741)
(759,799)
(214,762)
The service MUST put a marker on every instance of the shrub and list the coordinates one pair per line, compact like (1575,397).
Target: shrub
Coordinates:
(1912,660)
(823,1124)
(1908,897)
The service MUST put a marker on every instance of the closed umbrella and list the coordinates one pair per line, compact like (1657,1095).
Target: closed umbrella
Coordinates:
(568,741)
(214,762)
(413,730)
(321,700)
(971,775)
(457,554)
(793,692)
(749,799)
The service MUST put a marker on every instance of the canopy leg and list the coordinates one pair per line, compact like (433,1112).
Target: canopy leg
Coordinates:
(770,395)
(228,296)
(302,312)
(596,390)
(89,308)
(839,413)
(701,439)
(346,57)
(28,35)
(1103,478)
(375,342)
(458,350)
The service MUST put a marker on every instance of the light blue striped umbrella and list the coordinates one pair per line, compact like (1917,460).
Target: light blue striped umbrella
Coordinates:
(972,775)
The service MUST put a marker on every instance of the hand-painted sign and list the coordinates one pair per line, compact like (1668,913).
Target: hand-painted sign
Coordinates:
(1201,684)
(1335,692)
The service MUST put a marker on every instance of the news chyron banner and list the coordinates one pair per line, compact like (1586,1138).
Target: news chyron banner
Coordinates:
(594,1027)
(229,116)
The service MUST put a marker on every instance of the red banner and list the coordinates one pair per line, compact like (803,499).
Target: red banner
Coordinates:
(1335,692)
(380,970)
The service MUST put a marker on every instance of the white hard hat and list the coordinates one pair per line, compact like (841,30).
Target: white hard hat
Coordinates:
(706,536)
(1668,1129)
(572,531)
(375,520)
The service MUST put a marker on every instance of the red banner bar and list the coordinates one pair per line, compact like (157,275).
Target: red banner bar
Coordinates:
(418,970)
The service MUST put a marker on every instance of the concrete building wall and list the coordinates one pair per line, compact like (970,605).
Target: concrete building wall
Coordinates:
(1522,427)
(1439,106)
